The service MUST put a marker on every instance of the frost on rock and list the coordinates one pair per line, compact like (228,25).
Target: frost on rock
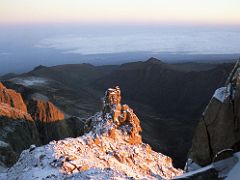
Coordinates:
(111,149)
(222,94)
(3,144)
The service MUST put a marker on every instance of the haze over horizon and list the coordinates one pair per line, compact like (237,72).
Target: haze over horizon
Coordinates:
(112,32)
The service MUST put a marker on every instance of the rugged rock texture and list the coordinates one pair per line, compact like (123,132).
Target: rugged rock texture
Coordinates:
(121,114)
(15,136)
(12,104)
(44,111)
(105,152)
(17,132)
(40,108)
(13,113)
(12,98)
(168,100)
(219,128)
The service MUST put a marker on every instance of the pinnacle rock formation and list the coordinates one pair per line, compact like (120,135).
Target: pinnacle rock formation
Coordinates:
(12,104)
(111,149)
(121,114)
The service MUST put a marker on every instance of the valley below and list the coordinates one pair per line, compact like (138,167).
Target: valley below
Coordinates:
(169,100)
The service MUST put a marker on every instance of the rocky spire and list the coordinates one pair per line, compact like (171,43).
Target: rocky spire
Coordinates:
(121,114)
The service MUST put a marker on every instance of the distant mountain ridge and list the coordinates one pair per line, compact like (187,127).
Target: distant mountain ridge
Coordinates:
(169,98)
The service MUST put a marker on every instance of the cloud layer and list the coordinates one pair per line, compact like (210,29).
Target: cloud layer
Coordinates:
(196,42)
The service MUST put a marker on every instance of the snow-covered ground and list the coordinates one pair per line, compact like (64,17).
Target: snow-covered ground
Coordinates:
(234,173)
(103,153)
(228,169)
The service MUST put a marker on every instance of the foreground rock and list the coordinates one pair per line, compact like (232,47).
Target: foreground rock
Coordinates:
(216,144)
(16,135)
(111,149)
(219,128)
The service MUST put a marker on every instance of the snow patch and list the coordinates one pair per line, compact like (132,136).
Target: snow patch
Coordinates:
(192,173)
(235,172)
(30,81)
(3,144)
(228,169)
(95,155)
(222,94)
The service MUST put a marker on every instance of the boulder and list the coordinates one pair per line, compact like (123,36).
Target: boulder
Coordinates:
(219,127)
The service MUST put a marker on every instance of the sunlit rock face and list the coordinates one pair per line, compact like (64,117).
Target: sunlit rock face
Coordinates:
(13,113)
(111,149)
(44,111)
(12,104)
(121,114)
(219,127)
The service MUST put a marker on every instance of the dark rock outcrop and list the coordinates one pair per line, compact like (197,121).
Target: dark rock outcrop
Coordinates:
(15,136)
(39,67)
(219,127)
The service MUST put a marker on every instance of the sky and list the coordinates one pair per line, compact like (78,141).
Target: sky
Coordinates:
(120,11)
(52,32)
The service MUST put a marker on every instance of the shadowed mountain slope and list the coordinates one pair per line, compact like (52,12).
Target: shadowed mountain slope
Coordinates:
(169,98)
(168,101)
(30,119)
